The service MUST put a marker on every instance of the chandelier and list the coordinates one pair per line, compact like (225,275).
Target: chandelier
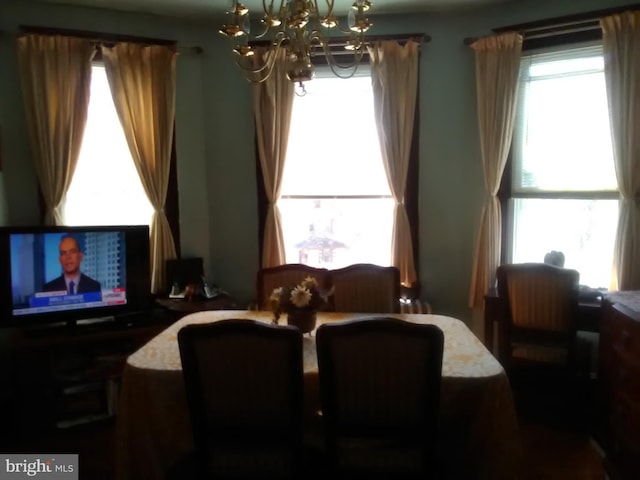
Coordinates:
(298,27)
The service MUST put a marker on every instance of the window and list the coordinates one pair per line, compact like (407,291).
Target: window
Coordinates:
(106,188)
(336,204)
(564,193)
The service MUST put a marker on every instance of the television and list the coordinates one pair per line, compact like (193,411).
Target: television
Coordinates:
(62,274)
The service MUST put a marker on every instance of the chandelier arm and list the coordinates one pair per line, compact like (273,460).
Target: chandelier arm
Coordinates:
(255,76)
(264,32)
(267,12)
(337,67)
(347,31)
(331,59)
(340,75)
(261,79)
(283,13)
(268,65)
(255,70)
(330,4)
(283,9)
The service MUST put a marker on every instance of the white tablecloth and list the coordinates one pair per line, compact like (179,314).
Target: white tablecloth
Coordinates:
(479,428)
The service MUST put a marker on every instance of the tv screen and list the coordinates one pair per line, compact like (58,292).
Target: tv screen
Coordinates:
(71,273)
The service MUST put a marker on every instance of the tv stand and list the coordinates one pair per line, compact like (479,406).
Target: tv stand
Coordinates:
(66,374)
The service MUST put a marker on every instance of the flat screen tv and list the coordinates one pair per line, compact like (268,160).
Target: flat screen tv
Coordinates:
(61,274)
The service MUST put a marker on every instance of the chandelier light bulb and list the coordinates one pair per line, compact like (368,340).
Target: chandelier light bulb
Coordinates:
(329,22)
(244,50)
(361,25)
(365,5)
(271,21)
(232,31)
(239,9)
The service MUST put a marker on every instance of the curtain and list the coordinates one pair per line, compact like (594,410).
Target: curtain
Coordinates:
(272,105)
(394,76)
(56,80)
(497,72)
(621,46)
(143,85)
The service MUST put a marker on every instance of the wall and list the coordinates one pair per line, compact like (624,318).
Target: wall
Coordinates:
(215,131)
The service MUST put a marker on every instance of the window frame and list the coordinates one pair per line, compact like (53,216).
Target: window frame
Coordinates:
(411,191)
(507,194)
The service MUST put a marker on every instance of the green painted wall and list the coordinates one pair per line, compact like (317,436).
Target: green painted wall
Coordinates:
(214,128)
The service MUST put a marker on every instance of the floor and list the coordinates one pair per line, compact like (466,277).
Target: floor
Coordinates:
(556,434)
(553,450)
(554,453)
(557,426)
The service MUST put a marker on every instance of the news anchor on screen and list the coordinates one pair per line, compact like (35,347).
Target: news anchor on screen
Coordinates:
(72,280)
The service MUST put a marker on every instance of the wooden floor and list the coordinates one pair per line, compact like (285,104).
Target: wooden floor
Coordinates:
(551,451)
(557,429)
(557,440)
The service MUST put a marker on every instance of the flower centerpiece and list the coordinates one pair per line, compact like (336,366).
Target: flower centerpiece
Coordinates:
(300,303)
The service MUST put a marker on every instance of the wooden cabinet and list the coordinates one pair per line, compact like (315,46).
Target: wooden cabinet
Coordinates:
(619,377)
(60,377)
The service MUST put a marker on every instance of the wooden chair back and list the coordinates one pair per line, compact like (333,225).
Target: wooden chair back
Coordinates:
(380,391)
(287,275)
(366,288)
(541,305)
(244,386)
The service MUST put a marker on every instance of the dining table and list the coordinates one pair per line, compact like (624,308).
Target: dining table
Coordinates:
(478,435)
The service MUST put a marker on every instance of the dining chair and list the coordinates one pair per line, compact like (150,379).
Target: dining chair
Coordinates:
(537,342)
(380,392)
(244,385)
(540,302)
(366,288)
(289,274)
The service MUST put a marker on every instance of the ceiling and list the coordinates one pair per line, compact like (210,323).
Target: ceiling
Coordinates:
(214,8)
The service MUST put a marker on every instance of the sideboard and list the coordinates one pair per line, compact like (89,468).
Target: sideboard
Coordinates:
(619,378)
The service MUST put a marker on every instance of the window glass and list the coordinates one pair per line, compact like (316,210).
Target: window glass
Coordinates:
(336,204)
(333,144)
(106,188)
(564,187)
(584,230)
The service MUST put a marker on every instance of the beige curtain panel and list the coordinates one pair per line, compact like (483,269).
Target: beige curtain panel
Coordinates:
(497,72)
(621,45)
(394,76)
(272,105)
(56,80)
(143,85)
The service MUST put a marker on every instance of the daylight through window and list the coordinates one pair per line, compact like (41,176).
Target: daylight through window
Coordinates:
(564,189)
(106,188)
(336,205)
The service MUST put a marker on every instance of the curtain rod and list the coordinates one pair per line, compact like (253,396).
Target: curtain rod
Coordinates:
(544,32)
(559,25)
(338,41)
(567,20)
(419,37)
(110,39)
